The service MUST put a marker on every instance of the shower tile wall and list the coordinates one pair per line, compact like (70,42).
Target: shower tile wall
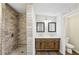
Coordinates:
(10,30)
(13,30)
(22,30)
(29,18)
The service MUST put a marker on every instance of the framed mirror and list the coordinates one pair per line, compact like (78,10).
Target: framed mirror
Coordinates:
(40,27)
(52,27)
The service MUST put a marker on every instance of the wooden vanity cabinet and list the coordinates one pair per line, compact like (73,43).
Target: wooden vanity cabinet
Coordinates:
(47,44)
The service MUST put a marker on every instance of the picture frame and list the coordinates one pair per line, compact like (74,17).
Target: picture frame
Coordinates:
(40,27)
(52,27)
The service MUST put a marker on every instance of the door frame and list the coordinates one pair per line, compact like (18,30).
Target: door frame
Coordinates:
(66,16)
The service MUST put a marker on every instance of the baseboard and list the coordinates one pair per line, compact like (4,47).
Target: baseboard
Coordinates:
(76,51)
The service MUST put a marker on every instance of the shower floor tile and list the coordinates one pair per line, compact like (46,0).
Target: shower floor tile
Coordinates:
(20,51)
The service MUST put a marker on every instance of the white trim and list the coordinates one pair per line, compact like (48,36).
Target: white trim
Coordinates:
(33,25)
(74,12)
(76,51)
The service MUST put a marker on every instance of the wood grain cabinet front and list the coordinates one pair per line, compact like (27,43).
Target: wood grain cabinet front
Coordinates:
(51,44)
(47,44)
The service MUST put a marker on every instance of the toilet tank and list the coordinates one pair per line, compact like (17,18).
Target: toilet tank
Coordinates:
(67,39)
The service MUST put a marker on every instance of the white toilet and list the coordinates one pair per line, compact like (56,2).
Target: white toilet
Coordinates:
(69,46)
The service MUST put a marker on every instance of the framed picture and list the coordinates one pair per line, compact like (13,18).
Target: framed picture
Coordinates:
(40,27)
(52,27)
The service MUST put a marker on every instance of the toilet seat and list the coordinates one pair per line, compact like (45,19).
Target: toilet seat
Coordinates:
(69,45)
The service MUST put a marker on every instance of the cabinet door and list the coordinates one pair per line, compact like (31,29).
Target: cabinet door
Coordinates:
(42,44)
(37,44)
(51,44)
(57,44)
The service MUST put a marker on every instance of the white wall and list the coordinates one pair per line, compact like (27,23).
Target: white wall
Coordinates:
(45,19)
(73,30)
(0,26)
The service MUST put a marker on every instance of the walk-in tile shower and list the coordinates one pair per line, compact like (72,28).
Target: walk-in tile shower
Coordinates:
(13,31)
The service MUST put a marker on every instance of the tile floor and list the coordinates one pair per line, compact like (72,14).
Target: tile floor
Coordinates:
(0,52)
(48,53)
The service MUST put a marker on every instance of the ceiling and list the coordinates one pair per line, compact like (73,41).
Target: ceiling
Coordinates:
(55,8)
(46,7)
(20,7)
